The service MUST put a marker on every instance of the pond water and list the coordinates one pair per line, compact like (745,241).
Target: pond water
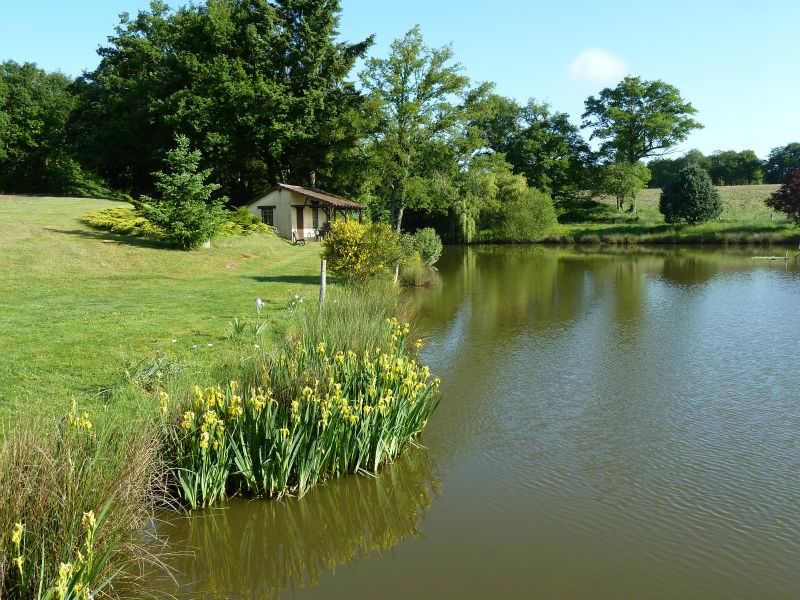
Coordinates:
(614,425)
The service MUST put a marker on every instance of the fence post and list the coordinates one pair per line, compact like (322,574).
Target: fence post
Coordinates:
(323,276)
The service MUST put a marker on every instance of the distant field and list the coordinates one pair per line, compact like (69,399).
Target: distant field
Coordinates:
(745,219)
(76,305)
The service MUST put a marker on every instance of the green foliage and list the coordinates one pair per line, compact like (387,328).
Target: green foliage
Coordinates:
(415,273)
(312,412)
(787,198)
(539,143)
(624,181)
(691,197)
(53,481)
(782,162)
(288,108)
(418,96)
(358,252)
(638,119)
(664,170)
(428,245)
(241,221)
(186,211)
(735,168)
(35,107)
(527,219)
(126,221)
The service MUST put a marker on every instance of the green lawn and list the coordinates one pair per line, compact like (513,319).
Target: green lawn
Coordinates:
(77,305)
(744,219)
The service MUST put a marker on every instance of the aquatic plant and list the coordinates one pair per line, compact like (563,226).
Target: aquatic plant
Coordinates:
(312,412)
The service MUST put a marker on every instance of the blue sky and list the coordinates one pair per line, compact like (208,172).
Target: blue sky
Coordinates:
(736,61)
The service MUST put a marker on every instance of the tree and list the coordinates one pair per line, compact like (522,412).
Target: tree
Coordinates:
(538,142)
(781,162)
(419,96)
(185,210)
(260,85)
(638,119)
(34,155)
(664,170)
(786,199)
(624,181)
(735,168)
(691,196)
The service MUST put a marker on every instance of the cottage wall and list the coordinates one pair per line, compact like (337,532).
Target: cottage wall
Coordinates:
(286,205)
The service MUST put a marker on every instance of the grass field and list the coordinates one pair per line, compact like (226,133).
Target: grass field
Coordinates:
(745,219)
(77,305)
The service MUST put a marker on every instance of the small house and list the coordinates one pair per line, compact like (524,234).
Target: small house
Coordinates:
(300,213)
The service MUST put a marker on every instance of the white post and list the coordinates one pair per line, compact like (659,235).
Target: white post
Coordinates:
(323,281)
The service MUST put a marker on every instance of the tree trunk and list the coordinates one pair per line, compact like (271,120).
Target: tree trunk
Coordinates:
(397,207)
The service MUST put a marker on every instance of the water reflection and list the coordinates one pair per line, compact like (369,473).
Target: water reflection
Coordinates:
(259,549)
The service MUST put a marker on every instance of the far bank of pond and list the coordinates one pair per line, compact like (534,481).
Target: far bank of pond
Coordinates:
(618,424)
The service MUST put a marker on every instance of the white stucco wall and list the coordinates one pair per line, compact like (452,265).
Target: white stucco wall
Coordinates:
(285,215)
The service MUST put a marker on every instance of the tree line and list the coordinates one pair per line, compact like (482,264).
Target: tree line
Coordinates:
(266,92)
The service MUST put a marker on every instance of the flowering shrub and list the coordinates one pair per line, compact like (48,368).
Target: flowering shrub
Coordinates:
(126,221)
(359,252)
(314,412)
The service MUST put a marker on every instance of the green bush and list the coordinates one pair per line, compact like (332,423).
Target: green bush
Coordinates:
(690,197)
(527,219)
(428,244)
(126,221)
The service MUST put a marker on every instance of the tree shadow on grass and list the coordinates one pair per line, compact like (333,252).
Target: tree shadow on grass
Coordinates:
(117,238)
(298,279)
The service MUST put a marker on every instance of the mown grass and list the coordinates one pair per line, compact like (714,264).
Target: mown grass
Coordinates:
(744,220)
(77,305)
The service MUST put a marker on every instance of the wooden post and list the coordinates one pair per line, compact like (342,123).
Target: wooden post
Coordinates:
(323,281)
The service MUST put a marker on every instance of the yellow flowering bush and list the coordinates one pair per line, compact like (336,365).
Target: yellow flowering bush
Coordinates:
(359,252)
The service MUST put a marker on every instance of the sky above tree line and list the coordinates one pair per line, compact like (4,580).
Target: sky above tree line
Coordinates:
(736,61)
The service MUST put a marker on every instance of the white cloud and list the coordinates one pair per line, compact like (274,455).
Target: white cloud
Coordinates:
(597,66)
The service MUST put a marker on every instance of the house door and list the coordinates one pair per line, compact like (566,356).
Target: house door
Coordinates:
(300,226)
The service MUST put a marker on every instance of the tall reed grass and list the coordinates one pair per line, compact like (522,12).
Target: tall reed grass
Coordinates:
(51,479)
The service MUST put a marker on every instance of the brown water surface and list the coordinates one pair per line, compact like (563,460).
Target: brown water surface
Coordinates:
(614,425)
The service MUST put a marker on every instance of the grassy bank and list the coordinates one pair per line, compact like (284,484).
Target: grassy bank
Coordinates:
(744,220)
(181,395)
(76,305)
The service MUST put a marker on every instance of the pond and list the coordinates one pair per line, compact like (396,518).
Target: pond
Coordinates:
(614,425)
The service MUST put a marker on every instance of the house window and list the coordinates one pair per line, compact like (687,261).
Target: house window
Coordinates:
(315,218)
(268,215)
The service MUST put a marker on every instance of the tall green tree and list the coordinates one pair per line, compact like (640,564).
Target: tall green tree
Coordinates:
(34,155)
(781,162)
(260,85)
(538,142)
(638,119)
(419,94)
(729,167)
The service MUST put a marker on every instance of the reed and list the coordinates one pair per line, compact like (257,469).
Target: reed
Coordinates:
(53,481)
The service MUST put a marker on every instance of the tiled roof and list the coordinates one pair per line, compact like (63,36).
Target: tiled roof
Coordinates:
(326,197)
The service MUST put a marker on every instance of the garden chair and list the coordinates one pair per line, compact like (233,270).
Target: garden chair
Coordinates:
(298,240)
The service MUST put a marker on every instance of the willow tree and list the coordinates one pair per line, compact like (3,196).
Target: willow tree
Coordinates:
(418,93)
